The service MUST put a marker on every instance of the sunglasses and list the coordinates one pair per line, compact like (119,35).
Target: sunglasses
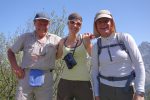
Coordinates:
(75,22)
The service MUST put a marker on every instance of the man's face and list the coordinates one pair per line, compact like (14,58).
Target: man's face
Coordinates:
(41,26)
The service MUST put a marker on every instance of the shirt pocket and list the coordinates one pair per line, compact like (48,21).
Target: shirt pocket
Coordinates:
(47,50)
(29,48)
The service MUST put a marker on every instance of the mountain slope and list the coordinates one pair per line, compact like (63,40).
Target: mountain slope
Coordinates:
(144,48)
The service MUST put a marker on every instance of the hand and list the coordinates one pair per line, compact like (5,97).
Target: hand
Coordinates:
(19,72)
(87,42)
(97,98)
(138,97)
(88,35)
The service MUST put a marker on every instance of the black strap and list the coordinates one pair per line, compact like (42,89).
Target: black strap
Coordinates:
(122,46)
(129,78)
(99,45)
(120,43)
(74,47)
(109,53)
(108,47)
(112,45)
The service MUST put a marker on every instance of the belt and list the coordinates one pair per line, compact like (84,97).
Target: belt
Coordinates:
(129,79)
(118,78)
(48,70)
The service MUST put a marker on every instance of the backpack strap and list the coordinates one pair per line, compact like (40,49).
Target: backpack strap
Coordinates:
(73,47)
(99,45)
(122,44)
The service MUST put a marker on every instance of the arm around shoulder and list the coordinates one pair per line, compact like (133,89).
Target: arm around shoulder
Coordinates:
(60,49)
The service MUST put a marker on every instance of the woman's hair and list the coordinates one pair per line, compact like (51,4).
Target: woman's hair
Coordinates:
(74,16)
(113,27)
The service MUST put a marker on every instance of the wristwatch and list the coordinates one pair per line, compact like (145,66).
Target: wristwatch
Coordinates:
(140,93)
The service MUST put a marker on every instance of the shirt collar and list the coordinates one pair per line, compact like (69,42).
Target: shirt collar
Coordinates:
(34,35)
(112,36)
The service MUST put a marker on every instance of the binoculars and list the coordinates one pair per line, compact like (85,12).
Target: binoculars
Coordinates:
(70,61)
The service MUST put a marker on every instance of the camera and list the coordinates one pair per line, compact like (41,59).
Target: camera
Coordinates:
(70,61)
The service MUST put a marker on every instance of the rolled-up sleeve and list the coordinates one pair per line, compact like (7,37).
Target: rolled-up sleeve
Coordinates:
(18,45)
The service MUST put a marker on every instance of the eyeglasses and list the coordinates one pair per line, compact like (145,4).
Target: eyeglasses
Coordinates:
(75,22)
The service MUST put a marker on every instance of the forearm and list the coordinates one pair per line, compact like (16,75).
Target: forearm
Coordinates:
(12,59)
(59,52)
(89,49)
(88,46)
(87,43)
(16,69)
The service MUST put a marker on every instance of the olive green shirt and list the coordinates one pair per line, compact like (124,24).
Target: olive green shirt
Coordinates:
(79,72)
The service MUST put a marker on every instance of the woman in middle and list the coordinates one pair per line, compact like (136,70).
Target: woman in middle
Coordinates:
(75,78)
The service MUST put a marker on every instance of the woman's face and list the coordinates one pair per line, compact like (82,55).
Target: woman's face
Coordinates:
(74,26)
(103,27)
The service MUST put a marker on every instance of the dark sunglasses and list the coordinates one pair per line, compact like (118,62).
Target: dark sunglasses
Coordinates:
(74,22)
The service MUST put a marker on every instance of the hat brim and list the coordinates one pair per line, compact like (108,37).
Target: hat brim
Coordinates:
(42,18)
(103,16)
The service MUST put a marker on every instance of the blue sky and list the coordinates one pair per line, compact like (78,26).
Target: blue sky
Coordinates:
(131,16)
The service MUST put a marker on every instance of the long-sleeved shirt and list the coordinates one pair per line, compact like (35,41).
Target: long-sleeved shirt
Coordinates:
(121,64)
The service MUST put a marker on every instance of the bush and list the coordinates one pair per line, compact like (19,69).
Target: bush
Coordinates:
(8,80)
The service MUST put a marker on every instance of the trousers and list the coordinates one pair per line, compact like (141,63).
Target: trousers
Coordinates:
(115,93)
